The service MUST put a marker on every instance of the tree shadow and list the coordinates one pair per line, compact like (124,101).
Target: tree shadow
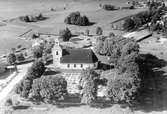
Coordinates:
(24,62)
(50,72)
(49,62)
(104,66)
(153,93)
(91,23)
(69,101)
(20,107)
(67,105)
(102,103)
(75,101)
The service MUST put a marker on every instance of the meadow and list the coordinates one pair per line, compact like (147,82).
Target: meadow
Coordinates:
(11,10)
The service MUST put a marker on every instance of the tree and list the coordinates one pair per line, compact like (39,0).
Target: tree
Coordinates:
(124,85)
(89,93)
(84,21)
(65,34)
(129,24)
(12,60)
(76,19)
(123,88)
(89,79)
(40,17)
(38,51)
(48,89)
(128,62)
(129,47)
(99,31)
(35,71)
(99,45)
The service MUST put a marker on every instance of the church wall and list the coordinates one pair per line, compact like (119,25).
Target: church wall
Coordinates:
(77,65)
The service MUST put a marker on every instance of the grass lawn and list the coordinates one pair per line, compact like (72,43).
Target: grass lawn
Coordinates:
(10,40)
(91,9)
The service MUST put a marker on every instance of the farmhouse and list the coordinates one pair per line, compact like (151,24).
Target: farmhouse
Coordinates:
(74,58)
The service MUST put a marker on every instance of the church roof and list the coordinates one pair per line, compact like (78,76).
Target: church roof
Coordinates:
(78,56)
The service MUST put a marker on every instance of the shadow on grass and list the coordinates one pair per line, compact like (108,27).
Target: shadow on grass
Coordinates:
(49,62)
(153,93)
(51,72)
(102,103)
(67,105)
(25,62)
(20,107)
(75,101)
(91,23)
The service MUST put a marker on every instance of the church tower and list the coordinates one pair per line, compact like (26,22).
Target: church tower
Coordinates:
(57,53)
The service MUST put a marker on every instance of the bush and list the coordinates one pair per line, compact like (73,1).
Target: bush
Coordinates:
(65,34)
(49,88)
(32,18)
(76,19)
(109,7)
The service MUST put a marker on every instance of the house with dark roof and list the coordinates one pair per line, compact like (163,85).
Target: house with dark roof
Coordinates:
(73,58)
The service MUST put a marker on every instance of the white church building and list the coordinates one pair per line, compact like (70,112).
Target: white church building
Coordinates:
(75,58)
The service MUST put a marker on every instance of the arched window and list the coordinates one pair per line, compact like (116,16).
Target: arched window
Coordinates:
(74,65)
(68,65)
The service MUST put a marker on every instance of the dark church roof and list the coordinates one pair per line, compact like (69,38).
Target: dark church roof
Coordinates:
(78,56)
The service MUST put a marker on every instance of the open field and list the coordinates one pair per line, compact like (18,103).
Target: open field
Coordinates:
(11,10)
(92,10)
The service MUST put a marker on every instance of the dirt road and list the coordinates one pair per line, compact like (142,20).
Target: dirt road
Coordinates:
(22,71)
